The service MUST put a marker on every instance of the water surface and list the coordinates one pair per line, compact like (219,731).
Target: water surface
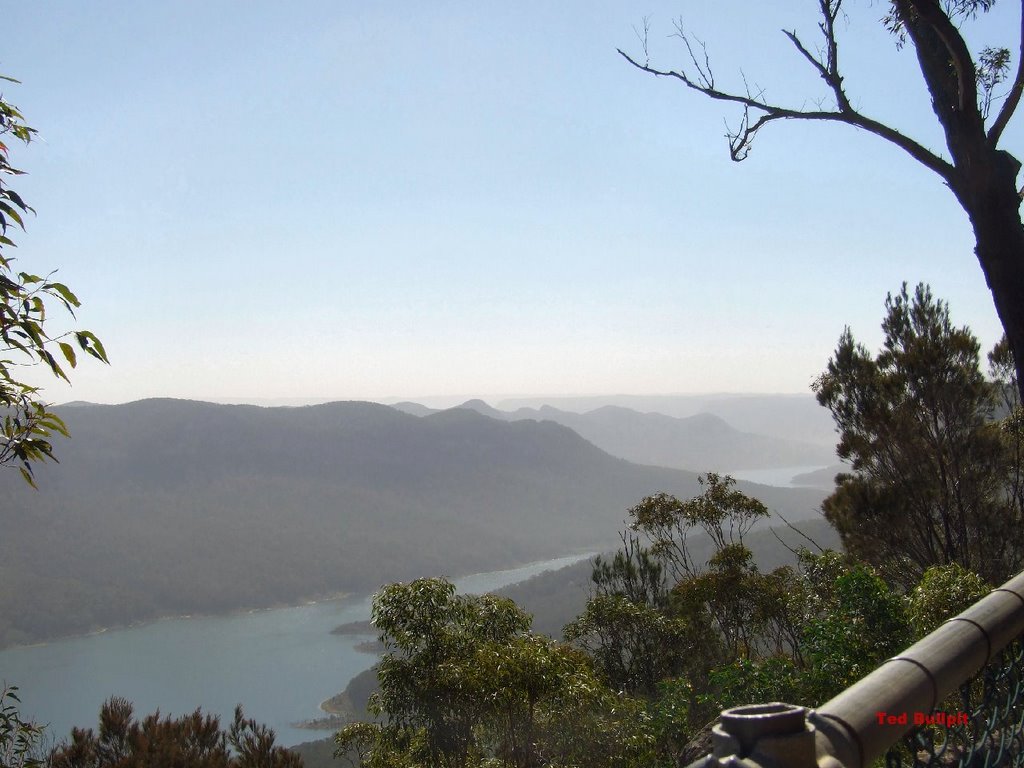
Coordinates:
(778,476)
(279,664)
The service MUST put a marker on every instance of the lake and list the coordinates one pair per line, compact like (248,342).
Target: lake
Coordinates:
(778,476)
(280,664)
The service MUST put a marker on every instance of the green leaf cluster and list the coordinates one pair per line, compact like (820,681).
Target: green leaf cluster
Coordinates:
(465,683)
(26,424)
(20,741)
(944,591)
(724,633)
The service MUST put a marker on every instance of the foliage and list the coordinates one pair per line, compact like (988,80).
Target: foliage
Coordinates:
(27,425)
(747,681)
(634,645)
(1002,371)
(748,610)
(195,740)
(728,633)
(462,690)
(721,512)
(842,621)
(719,631)
(671,717)
(640,632)
(465,683)
(934,478)
(19,741)
(944,591)
(624,626)
(863,624)
(633,573)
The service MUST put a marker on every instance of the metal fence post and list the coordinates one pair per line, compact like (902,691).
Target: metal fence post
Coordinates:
(763,736)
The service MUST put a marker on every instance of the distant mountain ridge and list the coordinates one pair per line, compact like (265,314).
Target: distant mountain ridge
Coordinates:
(167,507)
(791,417)
(702,442)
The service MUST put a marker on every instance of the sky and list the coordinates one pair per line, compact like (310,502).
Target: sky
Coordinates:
(263,202)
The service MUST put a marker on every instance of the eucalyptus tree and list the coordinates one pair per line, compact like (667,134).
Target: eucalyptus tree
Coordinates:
(965,90)
(26,421)
(465,683)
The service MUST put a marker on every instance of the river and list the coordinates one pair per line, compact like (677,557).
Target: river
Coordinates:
(778,476)
(280,664)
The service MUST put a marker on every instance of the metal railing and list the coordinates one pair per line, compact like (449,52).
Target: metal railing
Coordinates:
(954,698)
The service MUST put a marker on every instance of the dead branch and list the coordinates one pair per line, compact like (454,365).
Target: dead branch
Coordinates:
(826,65)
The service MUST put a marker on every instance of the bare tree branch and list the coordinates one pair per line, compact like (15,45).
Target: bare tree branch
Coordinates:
(704,74)
(739,140)
(644,37)
(1013,97)
(829,68)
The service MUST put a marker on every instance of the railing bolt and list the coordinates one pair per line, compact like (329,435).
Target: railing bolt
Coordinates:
(769,734)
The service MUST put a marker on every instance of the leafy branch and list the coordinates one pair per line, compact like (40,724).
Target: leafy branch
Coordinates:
(26,423)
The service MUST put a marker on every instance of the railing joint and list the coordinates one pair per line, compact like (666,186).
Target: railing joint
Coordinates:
(1010,592)
(927,673)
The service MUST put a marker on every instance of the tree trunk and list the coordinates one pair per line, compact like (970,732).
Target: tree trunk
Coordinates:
(993,206)
(984,178)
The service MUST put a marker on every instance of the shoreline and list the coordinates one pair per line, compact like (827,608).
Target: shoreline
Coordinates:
(333,597)
(64,697)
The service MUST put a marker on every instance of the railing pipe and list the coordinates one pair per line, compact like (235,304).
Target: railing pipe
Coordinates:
(861,723)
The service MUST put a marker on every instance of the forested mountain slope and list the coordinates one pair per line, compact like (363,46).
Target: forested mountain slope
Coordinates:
(165,507)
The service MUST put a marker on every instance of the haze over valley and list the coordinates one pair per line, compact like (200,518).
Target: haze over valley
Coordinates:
(318,311)
(169,507)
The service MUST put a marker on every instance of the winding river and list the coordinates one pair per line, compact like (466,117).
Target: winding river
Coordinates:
(279,664)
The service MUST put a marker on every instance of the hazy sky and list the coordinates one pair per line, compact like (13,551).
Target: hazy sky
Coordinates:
(360,200)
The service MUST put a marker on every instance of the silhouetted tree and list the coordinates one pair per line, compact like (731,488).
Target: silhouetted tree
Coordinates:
(936,477)
(195,740)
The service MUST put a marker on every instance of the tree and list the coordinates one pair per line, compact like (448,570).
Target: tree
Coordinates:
(721,512)
(859,622)
(464,683)
(27,423)
(981,175)
(195,740)
(844,621)
(944,591)
(722,633)
(430,686)
(641,630)
(936,478)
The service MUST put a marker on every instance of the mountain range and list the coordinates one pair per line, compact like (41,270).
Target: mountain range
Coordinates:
(701,442)
(791,417)
(169,507)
